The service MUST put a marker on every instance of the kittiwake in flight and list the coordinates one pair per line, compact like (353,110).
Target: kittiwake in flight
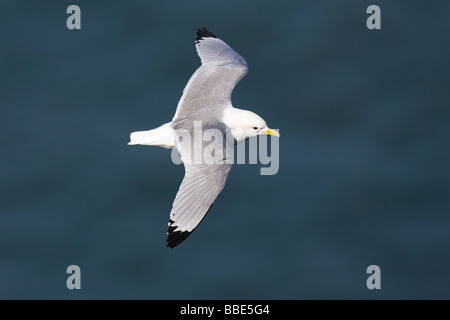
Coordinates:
(206,100)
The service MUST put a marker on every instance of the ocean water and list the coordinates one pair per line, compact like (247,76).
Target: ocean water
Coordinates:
(364,151)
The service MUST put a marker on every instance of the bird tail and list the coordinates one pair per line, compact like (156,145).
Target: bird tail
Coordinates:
(161,136)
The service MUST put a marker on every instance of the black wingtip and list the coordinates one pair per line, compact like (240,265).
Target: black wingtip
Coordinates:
(176,237)
(203,33)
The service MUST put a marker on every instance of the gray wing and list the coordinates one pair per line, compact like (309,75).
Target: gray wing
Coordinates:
(202,182)
(211,85)
(198,191)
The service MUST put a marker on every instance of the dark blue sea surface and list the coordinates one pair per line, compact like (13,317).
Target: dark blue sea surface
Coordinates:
(364,173)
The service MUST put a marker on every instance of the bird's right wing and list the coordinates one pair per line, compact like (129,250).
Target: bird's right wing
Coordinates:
(198,191)
(207,157)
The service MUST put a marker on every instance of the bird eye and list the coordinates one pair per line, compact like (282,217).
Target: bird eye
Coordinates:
(255,128)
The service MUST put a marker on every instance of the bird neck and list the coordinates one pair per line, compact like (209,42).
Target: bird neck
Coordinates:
(234,119)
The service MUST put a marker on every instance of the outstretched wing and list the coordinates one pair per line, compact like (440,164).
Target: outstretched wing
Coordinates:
(207,158)
(211,84)
(198,191)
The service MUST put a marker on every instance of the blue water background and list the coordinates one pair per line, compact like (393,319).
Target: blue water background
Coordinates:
(364,151)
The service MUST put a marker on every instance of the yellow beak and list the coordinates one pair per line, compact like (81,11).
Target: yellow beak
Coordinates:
(272,132)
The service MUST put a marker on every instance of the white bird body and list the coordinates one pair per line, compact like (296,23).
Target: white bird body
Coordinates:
(162,136)
(206,99)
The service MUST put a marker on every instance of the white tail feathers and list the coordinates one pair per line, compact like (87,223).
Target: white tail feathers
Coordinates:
(161,136)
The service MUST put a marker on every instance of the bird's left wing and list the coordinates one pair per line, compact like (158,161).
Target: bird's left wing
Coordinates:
(212,84)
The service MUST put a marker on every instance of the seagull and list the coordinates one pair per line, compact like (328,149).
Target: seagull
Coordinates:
(206,100)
